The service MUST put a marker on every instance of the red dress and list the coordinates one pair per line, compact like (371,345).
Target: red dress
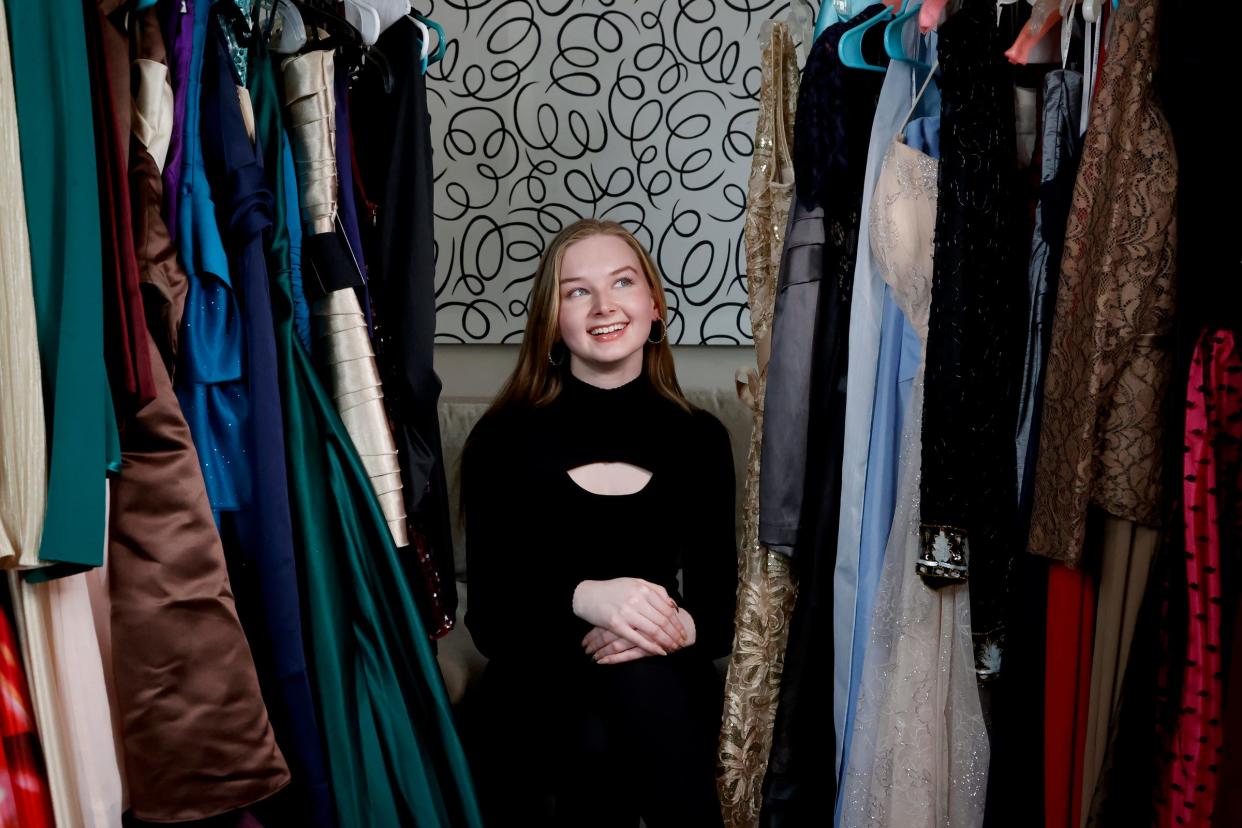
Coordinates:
(1213,429)
(24,797)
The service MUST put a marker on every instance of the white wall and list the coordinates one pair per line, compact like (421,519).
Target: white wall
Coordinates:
(480,370)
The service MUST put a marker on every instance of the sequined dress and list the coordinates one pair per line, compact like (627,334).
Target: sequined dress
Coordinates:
(765,585)
(919,751)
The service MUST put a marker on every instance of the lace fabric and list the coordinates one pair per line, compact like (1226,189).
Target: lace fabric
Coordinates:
(1108,368)
(919,750)
(766,587)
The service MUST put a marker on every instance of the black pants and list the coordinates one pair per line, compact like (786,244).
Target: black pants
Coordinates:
(586,745)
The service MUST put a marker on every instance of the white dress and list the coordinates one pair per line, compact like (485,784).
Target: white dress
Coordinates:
(919,750)
(23,446)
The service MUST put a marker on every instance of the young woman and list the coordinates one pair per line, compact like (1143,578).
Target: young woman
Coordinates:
(587,487)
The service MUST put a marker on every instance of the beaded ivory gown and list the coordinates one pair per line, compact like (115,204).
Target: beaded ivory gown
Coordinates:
(919,754)
(765,584)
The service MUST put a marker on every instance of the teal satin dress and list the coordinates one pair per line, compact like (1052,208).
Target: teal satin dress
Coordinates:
(53,91)
(393,754)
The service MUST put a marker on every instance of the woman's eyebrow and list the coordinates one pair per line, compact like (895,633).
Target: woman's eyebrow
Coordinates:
(623,269)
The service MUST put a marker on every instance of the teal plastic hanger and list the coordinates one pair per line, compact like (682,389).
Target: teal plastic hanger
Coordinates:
(827,16)
(850,47)
(833,11)
(894,35)
(439,30)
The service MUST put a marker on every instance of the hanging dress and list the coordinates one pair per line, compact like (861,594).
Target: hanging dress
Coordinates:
(884,355)
(804,410)
(1101,453)
(1213,435)
(197,737)
(342,340)
(24,798)
(392,139)
(61,194)
(267,588)
(975,343)
(919,749)
(765,585)
(52,88)
(23,441)
(392,751)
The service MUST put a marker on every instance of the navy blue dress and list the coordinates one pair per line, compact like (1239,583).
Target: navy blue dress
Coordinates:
(267,586)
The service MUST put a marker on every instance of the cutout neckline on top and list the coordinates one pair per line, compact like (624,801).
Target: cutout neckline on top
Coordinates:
(599,479)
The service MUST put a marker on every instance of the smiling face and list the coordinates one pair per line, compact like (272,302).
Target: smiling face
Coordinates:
(606,310)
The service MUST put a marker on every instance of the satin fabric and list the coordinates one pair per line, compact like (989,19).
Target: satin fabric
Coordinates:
(23,436)
(25,801)
(125,342)
(855,580)
(1212,437)
(154,107)
(393,753)
(62,216)
(196,733)
(213,397)
(164,283)
(342,345)
(197,738)
(267,586)
(348,211)
(1067,691)
(179,35)
(901,351)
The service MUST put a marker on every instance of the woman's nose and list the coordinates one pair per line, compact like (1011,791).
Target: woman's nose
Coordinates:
(604,304)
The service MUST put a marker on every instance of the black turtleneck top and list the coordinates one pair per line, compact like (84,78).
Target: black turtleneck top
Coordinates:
(533,534)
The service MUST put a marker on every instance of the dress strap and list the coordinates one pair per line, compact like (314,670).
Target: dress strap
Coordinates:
(931,73)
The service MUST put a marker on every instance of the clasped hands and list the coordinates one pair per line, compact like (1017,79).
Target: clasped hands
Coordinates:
(633,619)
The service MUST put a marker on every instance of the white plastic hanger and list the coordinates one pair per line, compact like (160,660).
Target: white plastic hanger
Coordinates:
(374,17)
(363,17)
(288,30)
(1090,52)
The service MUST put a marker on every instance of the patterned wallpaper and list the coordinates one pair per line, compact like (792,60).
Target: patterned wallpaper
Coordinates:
(641,111)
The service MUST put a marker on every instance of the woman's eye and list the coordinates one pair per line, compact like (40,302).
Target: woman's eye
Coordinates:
(625,281)
(576,292)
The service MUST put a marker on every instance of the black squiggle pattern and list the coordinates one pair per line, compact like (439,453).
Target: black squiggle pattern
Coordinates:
(641,111)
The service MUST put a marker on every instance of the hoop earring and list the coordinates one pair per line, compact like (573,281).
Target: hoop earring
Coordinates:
(550,360)
(663,333)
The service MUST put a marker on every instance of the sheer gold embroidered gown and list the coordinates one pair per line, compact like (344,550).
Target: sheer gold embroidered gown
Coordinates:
(765,585)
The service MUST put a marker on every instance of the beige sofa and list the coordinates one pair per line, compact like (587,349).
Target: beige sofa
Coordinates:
(460,662)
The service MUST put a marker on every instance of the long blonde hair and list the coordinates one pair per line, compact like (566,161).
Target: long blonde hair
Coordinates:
(535,381)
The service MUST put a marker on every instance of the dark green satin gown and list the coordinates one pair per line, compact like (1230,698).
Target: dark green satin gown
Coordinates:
(393,754)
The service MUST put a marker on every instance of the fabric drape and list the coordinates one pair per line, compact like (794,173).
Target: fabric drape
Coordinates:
(805,410)
(52,87)
(884,353)
(266,584)
(392,141)
(766,587)
(392,752)
(23,436)
(968,496)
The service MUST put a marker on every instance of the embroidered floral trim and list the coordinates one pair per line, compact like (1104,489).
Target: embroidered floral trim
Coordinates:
(944,556)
